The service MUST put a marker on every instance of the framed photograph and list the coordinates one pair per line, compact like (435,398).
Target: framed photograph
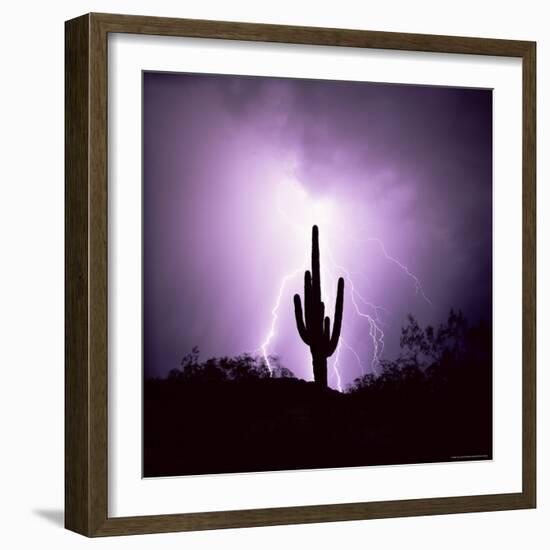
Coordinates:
(300,274)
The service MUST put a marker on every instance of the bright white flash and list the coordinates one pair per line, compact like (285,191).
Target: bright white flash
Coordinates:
(301,210)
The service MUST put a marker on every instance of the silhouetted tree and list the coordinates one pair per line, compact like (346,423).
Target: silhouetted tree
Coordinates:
(433,353)
(314,328)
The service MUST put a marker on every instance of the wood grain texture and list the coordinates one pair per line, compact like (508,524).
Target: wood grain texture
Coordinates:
(77,459)
(308,35)
(86,235)
(529,274)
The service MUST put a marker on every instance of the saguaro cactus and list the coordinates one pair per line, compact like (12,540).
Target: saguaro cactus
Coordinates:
(314,327)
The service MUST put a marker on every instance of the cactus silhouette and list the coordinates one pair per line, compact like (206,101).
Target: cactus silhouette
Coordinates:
(314,327)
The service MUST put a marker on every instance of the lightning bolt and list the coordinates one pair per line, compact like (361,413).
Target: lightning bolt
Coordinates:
(335,367)
(418,286)
(375,332)
(275,316)
(355,354)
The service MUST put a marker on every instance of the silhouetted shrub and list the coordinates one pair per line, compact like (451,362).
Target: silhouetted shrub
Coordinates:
(226,369)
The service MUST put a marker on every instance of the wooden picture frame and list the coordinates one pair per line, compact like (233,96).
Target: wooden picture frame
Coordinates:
(86,283)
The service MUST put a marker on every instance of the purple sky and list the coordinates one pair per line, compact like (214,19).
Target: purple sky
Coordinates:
(237,169)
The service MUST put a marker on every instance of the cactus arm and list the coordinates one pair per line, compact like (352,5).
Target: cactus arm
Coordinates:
(320,317)
(337,318)
(326,332)
(302,331)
